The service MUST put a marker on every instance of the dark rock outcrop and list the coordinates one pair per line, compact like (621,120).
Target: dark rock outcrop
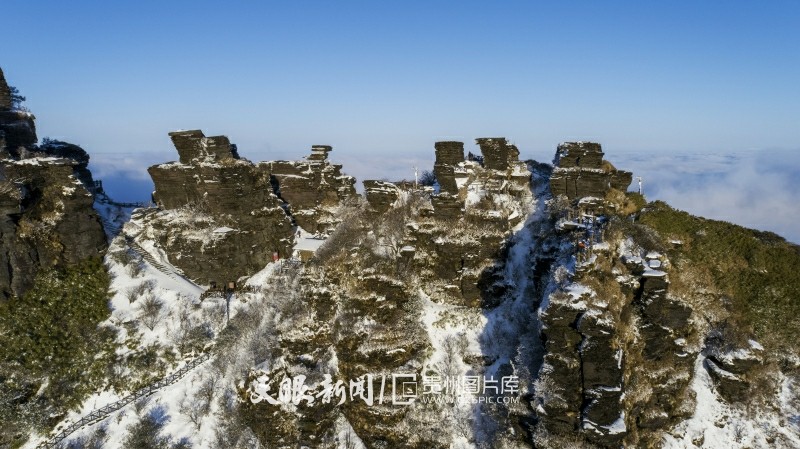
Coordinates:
(17,130)
(381,195)
(46,205)
(5,93)
(47,220)
(497,152)
(733,368)
(19,133)
(194,146)
(448,156)
(59,149)
(312,189)
(244,221)
(579,172)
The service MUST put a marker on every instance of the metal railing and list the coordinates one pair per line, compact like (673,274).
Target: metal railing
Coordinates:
(103,412)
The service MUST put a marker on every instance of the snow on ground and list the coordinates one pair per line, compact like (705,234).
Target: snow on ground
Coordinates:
(718,425)
(347,437)
(112,216)
(306,241)
(180,304)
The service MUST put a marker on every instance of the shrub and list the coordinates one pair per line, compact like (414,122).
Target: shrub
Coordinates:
(53,352)
(757,270)
(151,310)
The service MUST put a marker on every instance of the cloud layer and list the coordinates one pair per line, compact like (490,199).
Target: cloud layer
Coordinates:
(756,189)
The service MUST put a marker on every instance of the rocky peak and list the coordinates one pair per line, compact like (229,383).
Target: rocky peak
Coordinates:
(497,152)
(256,204)
(312,189)
(47,217)
(319,152)
(195,146)
(448,156)
(580,171)
(579,154)
(216,208)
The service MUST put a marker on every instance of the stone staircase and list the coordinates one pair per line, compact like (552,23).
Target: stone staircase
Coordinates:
(167,269)
(103,412)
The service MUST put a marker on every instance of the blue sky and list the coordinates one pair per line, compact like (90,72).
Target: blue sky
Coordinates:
(381,81)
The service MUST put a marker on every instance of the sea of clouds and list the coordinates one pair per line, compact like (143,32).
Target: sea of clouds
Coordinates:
(756,189)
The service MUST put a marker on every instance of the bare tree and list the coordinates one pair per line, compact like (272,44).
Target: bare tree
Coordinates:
(151,310)
(137,291)
(453,347)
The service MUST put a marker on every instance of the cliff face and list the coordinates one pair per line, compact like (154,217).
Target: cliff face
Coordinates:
(225,217)
(500,273)
(312,189)
(221,220)
(458,240)
(46,214)
(579,172)
(617,349)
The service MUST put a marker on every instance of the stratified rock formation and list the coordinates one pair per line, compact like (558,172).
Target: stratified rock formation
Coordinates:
(498,154)
(222,219)
(619,350)
(579,172)
(381,195)
(458,237)
(449,155)
(312,189)
(46,214)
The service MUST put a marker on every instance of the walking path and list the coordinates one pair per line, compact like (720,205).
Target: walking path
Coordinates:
(103,412)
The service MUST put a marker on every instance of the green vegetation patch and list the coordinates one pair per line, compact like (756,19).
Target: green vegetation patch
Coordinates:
(53,352)
(759,271)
